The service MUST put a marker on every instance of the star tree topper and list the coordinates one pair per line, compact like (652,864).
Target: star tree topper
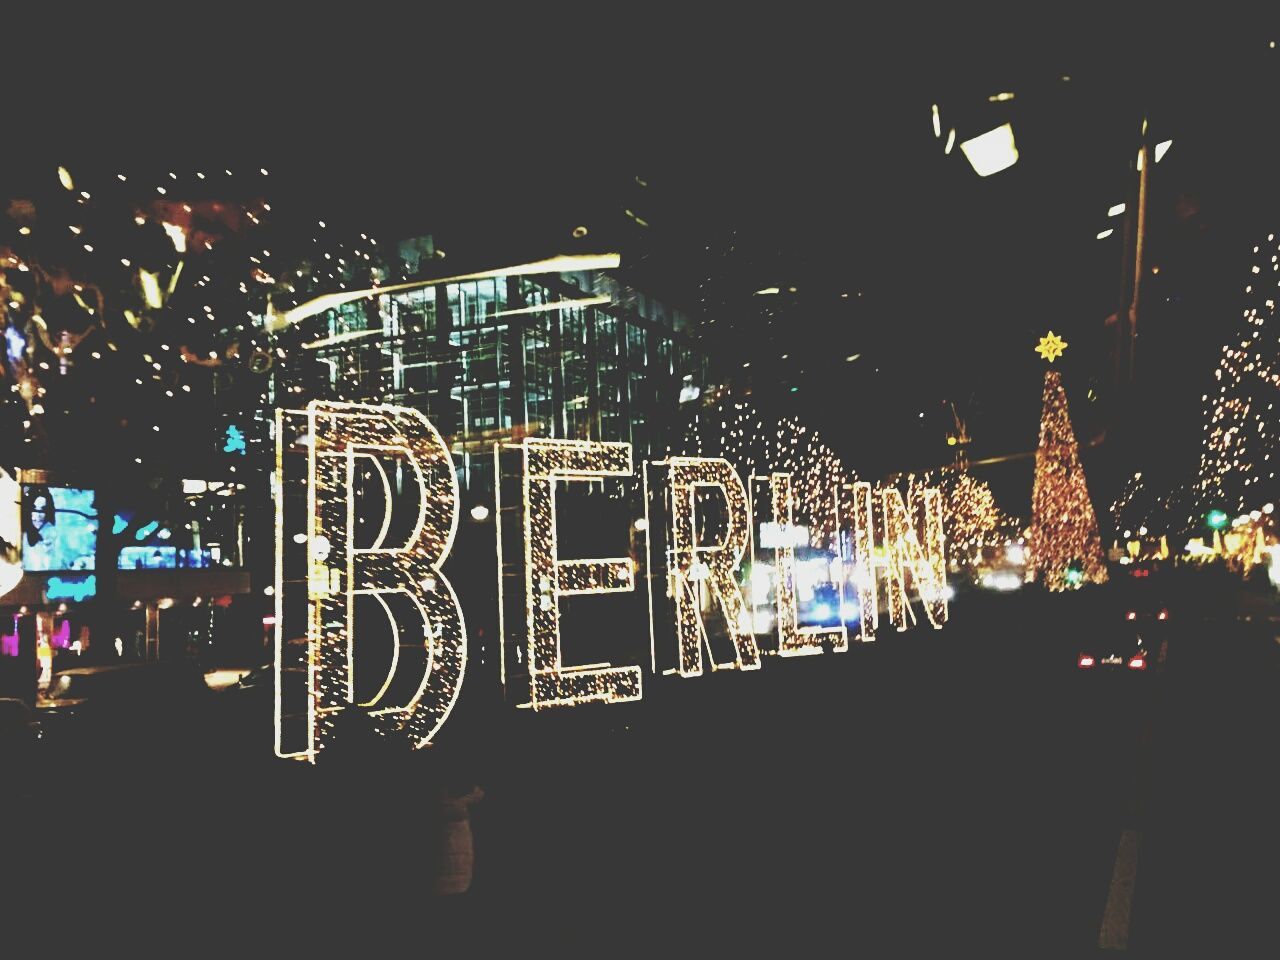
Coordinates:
(1051,346)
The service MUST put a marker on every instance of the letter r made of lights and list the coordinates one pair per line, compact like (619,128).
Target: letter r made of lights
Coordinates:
(696,566)
(429,651)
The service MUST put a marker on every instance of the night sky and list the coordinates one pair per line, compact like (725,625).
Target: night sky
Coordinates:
(799,157)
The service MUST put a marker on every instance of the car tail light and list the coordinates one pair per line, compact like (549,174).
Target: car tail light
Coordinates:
(1085,661)
(1131,615)
(1163,615)
(1138,663)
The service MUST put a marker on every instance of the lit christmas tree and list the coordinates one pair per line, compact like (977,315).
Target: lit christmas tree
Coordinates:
(1065,550)
(1237,461)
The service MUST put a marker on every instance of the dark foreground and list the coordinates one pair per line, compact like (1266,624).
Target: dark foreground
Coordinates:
(967,791)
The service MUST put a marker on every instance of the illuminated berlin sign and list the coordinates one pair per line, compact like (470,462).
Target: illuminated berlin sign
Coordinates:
(393,561)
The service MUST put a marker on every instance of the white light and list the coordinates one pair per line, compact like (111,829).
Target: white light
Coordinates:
(1162,148)
(642,524)
(937,122)
(1105,233)
(992,151)
(479,512)
(269,590)
(767,291)
(299,538)
(1001,581)
(1116,210)
(850,611)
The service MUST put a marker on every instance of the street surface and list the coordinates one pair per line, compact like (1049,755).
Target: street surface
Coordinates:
(968,790)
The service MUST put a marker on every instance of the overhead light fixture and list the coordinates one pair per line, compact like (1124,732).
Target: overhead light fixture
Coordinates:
(992,151)
(1105,233)
(1162,148)
(1115,210)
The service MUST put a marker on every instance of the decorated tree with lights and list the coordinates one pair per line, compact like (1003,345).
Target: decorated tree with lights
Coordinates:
(1237,470)
(971,517)
(1065,549)
(759,445)
(131,309)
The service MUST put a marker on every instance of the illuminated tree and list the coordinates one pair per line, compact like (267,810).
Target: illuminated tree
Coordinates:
(1239,452)
(1065,550)
(971,518)
(133,349)
(757,445)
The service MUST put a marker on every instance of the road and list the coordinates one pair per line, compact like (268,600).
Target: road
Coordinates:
(965,790)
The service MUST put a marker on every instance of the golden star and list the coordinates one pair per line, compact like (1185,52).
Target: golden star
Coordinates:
(1051,346)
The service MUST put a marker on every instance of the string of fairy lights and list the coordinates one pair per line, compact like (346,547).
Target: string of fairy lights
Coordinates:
(1237,465)
(972,519)
(1239,446)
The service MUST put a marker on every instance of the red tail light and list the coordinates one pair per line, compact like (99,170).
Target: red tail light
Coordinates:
(1131,615)
(1163,615)
(1137,663)
(1085,661)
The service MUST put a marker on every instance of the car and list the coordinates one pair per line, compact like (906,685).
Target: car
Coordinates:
(1147,612)
(1116,650)
(153,699)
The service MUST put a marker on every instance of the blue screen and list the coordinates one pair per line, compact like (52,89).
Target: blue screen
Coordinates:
(60,528)
(148,558)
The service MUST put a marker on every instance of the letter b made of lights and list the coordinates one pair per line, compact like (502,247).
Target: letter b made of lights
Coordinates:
(360,538)
(367,507)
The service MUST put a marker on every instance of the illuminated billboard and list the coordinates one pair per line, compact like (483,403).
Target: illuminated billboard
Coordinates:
(59,528)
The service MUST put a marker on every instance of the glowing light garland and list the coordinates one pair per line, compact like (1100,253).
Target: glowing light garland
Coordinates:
(548,578)
(906,558)
(901,556)
(340,435)
(695,566)
(793,640)
(864,564)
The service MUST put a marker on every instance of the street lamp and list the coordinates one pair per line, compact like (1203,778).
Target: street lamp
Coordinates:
(992,151)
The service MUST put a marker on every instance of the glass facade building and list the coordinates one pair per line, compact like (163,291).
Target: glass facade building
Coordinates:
(573,355)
